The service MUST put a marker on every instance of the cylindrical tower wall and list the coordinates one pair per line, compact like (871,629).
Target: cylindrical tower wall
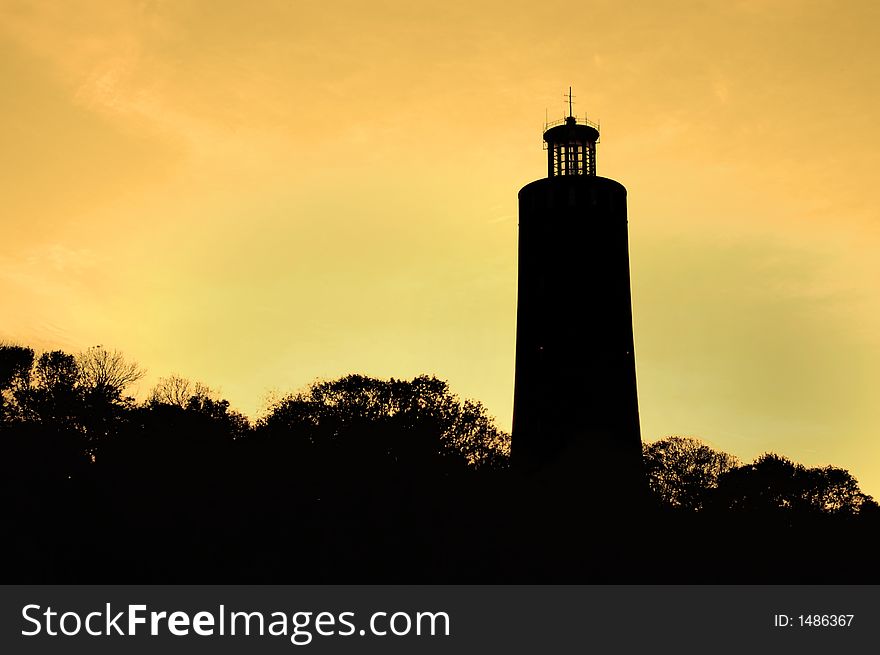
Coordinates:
(575,388)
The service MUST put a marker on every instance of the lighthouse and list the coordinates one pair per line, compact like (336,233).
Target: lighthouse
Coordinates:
(575,410)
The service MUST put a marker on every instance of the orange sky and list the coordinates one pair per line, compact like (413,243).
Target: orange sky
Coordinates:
(256,195)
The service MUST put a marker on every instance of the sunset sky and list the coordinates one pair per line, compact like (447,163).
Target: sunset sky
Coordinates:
(259,194)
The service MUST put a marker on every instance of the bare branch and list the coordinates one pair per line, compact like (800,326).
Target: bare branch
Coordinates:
(107,371)
(177,390)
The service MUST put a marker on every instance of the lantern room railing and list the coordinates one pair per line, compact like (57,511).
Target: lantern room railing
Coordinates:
(571,147)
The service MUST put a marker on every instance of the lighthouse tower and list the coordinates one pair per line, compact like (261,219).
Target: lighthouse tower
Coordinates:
(575,403)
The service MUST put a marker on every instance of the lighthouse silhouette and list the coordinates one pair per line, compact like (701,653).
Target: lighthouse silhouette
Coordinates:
(575,416)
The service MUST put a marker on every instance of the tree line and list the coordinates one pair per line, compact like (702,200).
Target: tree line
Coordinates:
(360,479)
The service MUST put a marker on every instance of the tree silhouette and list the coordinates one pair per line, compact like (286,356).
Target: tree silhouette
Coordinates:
(361,479)
(835,491)
(16,363)
(773,484)
(683,471)
(55,399)
(106,373)
(56,371)
(416,421)
(178,391)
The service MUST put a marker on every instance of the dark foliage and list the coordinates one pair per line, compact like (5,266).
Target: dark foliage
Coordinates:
(683,472)
(417,424)
(773,520)
(382,481)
